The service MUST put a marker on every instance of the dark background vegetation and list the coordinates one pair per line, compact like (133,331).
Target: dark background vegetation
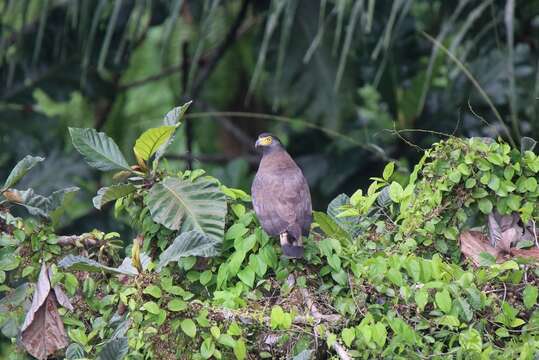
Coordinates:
(344,84)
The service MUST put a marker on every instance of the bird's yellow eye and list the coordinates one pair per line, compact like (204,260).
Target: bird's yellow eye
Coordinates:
(265,141)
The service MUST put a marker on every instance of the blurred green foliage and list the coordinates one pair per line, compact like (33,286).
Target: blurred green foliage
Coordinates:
(353,82)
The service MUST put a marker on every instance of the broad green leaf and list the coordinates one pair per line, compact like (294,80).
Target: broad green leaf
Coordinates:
(329,226)
(485,205)
(207,348)
(189,327)
(348,335)
(151,140)
(111,193)
(529,296)
(35,204)
(177,305)
(153,290)
(191,243)
(182,204)
(379,334)
(247,276)
(350,224)
(114,349)
(240,350)
(22,167)
(395,191)
(99,150)
(81,263)
(151,307)
(470,340)
(443,300)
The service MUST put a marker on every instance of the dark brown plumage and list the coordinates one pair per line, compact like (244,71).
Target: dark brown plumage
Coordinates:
(281,196)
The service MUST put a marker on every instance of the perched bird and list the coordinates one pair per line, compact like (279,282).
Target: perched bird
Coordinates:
(281,196)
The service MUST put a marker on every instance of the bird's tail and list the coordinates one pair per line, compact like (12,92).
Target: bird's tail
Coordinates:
(292,246)
(292,251)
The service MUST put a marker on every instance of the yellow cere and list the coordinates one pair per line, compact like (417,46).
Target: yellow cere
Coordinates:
(265,140)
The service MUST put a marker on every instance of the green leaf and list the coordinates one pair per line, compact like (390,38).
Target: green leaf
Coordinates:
(114,349)
(495,158)
(395,191)
(198,205)
(278,318)
(99,150)
(247,276)
(471,340)
(111,193)
(21,169)
(151,140)
(379,334)
(81,263)
(449,320)
(348,335)
(177,305)
(240,350)
(485,205)
(153,290)
(71,283)
(443,300)
(190,243)
(9,261)
(421,298)
(207,348)
(151,307)
(226,340)
(329,226)
(529,296)
(189,327)
(388,170)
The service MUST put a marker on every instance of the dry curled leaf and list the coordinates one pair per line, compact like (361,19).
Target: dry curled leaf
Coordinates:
(43,331)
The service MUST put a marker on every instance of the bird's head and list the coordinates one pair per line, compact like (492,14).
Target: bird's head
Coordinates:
(267,142)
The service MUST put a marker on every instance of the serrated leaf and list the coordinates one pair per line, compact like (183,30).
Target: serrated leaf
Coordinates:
(151,140)
(81,263)
(191,243)
(114,349)
(111,193)
(22,167)
(181,204)
(98,150)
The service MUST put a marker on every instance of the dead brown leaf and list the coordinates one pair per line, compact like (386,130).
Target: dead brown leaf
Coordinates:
(473,243)
(43,331)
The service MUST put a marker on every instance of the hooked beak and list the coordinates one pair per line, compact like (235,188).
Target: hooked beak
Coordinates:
(257,144)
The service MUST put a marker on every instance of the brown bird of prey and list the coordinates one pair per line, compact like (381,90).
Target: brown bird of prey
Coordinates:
(281,196)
